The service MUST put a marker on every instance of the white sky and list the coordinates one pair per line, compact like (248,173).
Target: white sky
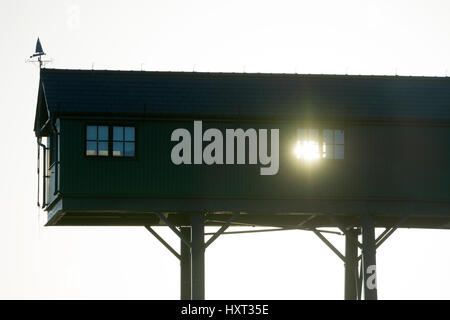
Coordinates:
(355,37)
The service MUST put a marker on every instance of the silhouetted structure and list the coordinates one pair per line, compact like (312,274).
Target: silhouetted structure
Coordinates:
(379,147)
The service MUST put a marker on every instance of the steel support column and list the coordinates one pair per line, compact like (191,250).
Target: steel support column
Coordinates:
(185,265)
(198,256)
(369,258)
(351,265)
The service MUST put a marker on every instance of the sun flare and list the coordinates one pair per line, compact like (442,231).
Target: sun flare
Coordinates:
(307,150)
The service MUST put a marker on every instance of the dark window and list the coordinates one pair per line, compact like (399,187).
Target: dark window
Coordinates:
(97,139)
(118,141)
(333,144)
(123,141)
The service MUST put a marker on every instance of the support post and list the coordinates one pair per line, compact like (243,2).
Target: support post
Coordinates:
(369,258)
(185,265)
(198,256)
(351,265)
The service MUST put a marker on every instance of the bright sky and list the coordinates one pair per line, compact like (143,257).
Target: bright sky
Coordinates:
(354,37)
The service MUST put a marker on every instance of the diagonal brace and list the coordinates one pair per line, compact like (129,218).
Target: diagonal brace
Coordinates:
(221,230)
(333,219)
(311,217)
(329,244)
(388,232)
(174,229)
(157,236)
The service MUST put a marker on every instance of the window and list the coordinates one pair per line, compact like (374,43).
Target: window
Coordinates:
(333,144)
(309,142)
(97,138)
(123,141)
(307,147)
(116,141)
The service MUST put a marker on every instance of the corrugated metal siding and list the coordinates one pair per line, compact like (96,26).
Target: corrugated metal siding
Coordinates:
(398,162)
(380,162)
(254,95)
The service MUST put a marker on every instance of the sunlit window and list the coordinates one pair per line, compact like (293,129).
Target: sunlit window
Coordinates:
(307,146)
(314,144)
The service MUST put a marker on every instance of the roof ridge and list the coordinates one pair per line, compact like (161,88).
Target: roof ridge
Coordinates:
(242,74)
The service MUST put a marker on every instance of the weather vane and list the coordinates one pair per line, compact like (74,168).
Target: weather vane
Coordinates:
(38,53)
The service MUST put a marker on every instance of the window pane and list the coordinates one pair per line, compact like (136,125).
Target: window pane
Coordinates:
(129,149)
(307,150)
(118,149)
(329,154)
(91,132)
(328,136)
(129,133)
(302,134)
(339,152)
(103,133)
(314,134)
(118,134)
(103,148)
(91,148)
(339,136)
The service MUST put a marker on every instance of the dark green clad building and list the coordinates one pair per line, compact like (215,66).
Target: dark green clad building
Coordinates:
(336,149)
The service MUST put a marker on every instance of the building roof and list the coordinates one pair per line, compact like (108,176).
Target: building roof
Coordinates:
(254,95)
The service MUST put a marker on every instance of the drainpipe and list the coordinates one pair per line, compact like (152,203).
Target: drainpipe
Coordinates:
(40,144)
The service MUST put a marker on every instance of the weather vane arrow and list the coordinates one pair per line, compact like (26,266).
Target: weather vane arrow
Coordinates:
(39,52)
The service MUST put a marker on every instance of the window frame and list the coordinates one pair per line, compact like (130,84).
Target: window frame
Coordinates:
(97,140)
(334,144)
(321,130)
(123,141)
(110,126)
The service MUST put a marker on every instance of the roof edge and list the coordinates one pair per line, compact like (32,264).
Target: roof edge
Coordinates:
(243,74)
